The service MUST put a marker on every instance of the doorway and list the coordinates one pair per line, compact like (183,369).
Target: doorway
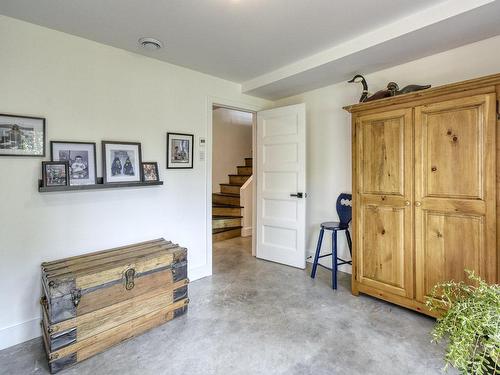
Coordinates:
(232,176)
(277,171)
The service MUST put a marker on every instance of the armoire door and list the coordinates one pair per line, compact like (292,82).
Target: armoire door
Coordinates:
(455,220)
(383,187)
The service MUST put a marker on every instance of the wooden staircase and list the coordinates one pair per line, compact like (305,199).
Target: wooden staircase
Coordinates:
(226,208)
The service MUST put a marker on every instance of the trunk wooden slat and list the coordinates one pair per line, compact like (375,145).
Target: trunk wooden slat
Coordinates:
(94,301)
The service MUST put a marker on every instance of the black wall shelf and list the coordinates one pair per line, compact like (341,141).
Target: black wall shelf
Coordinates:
(98,186)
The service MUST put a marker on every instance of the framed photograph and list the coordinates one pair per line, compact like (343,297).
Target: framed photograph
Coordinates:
(150,171)
(81,157)
(55,173)
(22,136)
(180,150)
(122,162)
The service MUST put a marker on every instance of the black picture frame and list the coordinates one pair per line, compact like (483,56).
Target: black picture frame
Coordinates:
(45,164)
(145,177)
(69,143)
(181,164)
(110,179)
(3,138)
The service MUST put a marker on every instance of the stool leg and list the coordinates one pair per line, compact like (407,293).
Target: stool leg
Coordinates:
(316,256)
(349,241)
(334,259)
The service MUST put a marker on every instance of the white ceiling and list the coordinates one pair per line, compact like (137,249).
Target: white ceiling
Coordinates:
(271,46)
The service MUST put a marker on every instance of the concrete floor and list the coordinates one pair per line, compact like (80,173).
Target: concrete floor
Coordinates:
(258,317)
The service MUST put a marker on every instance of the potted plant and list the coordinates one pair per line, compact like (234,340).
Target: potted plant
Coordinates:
(471,322)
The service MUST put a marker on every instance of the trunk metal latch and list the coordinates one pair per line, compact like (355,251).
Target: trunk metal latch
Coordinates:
(129,279)
(76,295)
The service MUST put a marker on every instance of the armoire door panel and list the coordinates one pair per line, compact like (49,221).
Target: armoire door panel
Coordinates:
(382,155)
(383,231)
(454,153)
(444,233)
(383,257)
(455,214)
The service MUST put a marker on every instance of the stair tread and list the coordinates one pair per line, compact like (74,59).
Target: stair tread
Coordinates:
(227,195)
(215,231)
(239,175)
(220,217)
(244,166)
(240,185)
(218,205)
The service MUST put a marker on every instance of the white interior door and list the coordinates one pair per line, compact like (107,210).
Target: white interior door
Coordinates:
(281,185)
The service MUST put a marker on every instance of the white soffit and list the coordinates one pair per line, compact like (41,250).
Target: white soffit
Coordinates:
(439,28)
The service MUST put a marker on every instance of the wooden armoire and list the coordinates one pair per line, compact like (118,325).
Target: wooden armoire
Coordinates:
(426,190)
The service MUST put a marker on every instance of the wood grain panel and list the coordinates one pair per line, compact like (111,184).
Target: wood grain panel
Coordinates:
(382,151)
(383,231)
(117,334)
(443,235)
(383,244)
(455,216)
(455,150)
(101,254)
(161,280)
(497,138)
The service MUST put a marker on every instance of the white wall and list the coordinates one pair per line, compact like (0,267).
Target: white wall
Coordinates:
(329,129)
(232,143)
(90,92)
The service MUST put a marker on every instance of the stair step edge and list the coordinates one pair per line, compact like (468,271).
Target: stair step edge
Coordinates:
(221,230)
(227,195)
(218,205)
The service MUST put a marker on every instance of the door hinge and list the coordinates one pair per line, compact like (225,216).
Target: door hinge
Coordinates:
(498,109)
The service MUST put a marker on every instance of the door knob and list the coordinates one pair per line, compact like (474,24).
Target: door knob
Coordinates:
(418,204)
(407,203)
(298,195)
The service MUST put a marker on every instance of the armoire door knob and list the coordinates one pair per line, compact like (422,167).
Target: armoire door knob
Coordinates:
(407,203)
(418,204)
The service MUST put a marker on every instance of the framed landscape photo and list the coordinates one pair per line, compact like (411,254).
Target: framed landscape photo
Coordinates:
(150,171)
(122,162)
(180,150)
(22,136)
(81,158)
(55,173)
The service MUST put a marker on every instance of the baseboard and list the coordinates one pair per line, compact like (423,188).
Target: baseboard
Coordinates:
(30,329)
(246,232)
(199,272)
(19,333)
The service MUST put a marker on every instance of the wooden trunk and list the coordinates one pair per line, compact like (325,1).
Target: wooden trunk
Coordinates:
(425,190)
(97,300)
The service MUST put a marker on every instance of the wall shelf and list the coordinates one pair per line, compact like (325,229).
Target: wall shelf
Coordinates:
(98,186)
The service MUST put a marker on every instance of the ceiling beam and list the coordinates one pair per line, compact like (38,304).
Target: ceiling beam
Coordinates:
(417,21)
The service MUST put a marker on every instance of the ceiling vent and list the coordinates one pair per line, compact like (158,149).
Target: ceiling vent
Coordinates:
(150,44)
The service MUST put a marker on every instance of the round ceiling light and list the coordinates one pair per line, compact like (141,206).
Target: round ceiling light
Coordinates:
(150,44)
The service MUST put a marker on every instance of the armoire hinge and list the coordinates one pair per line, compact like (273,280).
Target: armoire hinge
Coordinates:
(498,109)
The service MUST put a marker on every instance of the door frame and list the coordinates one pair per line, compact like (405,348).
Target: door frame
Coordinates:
(238,106)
